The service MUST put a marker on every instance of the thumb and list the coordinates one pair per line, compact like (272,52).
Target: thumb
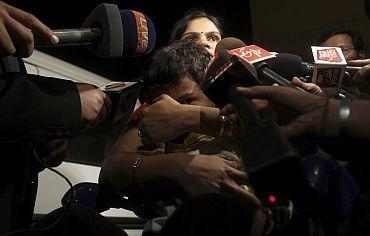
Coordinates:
(296,81)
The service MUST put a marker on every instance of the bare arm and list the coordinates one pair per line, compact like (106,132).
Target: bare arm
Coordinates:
(301,113)
(196,174)
(166,119)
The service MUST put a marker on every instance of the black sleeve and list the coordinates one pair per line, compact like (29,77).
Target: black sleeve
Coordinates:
(34,107)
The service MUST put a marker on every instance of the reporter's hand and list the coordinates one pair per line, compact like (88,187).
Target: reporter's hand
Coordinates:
(201,174)
(361,80)
(309,87)
(166,119)
(95,105)
(15,31)
(360,63)
(297,113)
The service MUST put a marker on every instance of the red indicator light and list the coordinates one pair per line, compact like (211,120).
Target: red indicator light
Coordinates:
(272,198)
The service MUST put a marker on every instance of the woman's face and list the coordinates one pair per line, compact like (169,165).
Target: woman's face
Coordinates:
(202,31)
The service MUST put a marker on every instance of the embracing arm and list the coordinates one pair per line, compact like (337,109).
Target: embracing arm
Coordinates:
(196,174)
(117,168)
(166,119)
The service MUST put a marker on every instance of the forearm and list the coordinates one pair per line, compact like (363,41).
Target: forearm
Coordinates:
(359,117)
(205,120)
(358,121)
(117,170)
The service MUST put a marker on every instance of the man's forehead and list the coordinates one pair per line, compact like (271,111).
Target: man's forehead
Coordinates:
(343,39)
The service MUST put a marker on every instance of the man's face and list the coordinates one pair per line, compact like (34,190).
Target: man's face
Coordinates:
(344,41)
(187,91)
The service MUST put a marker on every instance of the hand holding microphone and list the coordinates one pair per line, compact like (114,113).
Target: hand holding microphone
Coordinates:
(297,113)
(15,35)
(361,80)
(107,31)
(110,32)
(309,87)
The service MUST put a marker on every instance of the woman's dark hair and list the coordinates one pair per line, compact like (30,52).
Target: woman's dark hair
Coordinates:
(180,26)
(170,64)
(357,40)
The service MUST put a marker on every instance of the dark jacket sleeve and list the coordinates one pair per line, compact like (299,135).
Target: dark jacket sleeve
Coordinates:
(34,107)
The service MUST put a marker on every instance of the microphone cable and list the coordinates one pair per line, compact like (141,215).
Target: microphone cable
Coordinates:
(67,207)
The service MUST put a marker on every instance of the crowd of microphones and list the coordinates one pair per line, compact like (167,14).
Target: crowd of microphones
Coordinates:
(318,187)
(278,172)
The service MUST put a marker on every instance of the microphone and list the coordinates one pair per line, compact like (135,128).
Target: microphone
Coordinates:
(266,75)
(268,156)
(327,71)
(226,69)
(290,65)
(110,32)
(229,43)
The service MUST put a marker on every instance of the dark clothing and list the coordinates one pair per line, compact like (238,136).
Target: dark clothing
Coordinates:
(77,220)
(32,108)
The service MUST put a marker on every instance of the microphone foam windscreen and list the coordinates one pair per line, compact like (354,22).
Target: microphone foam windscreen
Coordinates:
(229,44)
(287,65)
(139,34)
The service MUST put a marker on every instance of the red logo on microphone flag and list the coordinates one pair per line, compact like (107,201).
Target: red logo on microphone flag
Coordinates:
(142,33)
(330,55)
(252,53)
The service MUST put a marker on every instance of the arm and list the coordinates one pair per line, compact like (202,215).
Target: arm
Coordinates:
(361,80)
(196,174)
(36,107)
(301,114)
(167,119)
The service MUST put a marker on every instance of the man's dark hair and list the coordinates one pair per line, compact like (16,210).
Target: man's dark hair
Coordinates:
(180,26)
(170,64)
(357,40)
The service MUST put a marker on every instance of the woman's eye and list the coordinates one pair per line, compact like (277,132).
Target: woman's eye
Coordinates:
(191,39)
(214,38)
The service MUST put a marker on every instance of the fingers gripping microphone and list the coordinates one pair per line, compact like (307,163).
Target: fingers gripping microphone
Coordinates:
(110,32)
(268,157)
(224,73)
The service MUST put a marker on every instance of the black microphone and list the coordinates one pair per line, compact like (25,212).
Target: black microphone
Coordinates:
(265,74)
(229,43)
(290,65)
(225,72)
(269,159)
(110,32)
